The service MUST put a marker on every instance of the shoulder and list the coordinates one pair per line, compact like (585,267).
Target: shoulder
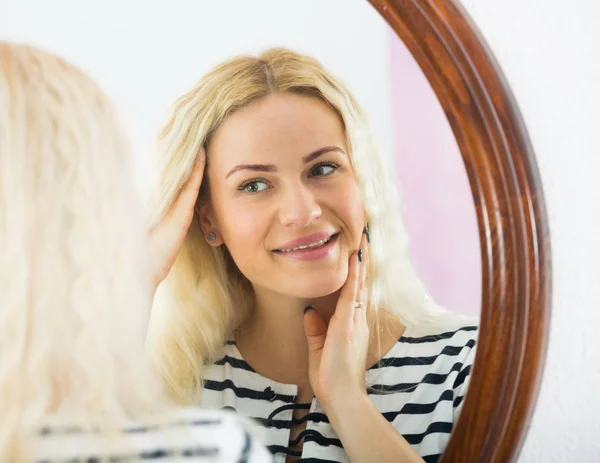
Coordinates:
(451,341)
(229,435)
(441,345)
(203,435)
(447,329)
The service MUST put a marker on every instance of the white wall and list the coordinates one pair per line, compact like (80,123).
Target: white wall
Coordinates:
(162,47)
(549,50)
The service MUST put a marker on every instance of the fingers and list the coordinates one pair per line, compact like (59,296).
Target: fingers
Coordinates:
(361,291)
(179,217)
(315,329)
(345,305)
(189,193)
(354,289)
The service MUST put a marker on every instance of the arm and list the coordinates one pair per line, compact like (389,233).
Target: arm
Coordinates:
(366,435)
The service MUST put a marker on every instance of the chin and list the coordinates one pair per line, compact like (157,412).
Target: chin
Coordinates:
(316,287)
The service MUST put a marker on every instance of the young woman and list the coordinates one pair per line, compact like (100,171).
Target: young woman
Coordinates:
(75,290)
(290,294)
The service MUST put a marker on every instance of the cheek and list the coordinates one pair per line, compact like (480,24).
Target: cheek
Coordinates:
(243,229)
(348,204)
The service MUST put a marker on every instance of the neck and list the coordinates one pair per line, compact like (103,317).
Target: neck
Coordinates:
(272,340)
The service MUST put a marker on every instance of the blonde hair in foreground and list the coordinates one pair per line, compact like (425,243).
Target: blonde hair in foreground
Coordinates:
(74,299)
(207,297)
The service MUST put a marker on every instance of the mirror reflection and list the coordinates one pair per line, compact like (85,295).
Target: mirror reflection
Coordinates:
(312,239)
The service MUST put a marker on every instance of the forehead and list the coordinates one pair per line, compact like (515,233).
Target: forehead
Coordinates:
(276,127)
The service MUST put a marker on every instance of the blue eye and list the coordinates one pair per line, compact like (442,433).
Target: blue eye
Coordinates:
(251,186)
(323,169)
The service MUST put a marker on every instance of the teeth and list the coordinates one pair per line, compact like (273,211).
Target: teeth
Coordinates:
(312,245)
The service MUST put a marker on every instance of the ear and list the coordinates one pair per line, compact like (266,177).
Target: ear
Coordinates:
(208,222)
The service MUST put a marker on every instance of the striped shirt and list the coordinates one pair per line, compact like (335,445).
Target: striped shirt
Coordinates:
(418,386)
(190,435)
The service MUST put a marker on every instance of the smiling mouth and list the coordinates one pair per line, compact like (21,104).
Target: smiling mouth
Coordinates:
(314,245)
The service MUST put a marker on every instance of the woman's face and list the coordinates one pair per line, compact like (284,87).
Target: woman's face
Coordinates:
(280,177)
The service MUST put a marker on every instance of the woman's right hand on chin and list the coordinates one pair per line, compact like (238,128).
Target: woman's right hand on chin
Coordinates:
(167,236)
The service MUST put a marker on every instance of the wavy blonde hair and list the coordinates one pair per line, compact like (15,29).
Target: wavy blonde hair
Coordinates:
(206,296)
(74,297)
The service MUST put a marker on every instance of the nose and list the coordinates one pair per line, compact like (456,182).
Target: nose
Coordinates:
(298,206)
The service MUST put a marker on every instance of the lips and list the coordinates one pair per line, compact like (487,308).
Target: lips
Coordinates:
(309,246)
(316,251)
(314,240)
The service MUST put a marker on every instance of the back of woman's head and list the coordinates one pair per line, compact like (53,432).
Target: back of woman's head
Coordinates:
(73,292)
(210,296)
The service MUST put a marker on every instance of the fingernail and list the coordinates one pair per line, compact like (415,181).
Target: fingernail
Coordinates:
(367,232)
(360,255)
(307,308)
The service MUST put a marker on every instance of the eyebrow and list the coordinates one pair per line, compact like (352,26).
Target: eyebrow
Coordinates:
(271,168)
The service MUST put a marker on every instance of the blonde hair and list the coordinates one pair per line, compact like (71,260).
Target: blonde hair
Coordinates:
(74,297)
(207,295)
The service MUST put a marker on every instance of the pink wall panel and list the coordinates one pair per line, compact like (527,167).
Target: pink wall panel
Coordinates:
(437,205)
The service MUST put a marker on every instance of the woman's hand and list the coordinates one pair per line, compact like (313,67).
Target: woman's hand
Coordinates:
(337,357)
(167,236)
(338,352)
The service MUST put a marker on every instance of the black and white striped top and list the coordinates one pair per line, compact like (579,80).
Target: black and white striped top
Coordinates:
(418,386)
(190,435)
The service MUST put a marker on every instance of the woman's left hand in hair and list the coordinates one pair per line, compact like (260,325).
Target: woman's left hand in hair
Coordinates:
(338,352)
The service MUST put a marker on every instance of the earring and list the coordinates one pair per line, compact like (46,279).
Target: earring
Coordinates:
(211,237)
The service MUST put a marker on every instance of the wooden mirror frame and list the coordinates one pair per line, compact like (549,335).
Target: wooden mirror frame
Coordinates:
(513,227)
